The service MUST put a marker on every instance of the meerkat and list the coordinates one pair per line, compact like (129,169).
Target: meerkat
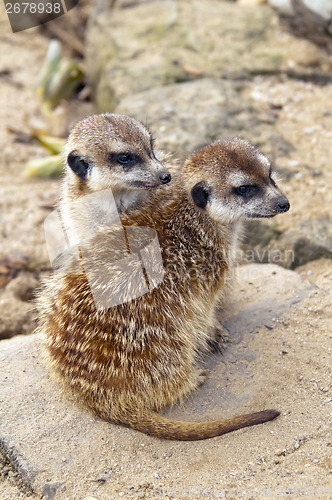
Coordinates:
(107,152)
(130,361)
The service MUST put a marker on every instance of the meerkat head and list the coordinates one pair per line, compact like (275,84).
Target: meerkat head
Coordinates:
(232,180)
(113,151)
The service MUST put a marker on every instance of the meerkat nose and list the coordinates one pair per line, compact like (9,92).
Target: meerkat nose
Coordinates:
(165,177)
(283,205)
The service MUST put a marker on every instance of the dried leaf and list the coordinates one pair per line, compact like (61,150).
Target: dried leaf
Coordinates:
(10,267)
(4,280)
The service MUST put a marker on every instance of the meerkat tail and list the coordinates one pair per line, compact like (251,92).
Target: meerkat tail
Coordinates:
(154,424)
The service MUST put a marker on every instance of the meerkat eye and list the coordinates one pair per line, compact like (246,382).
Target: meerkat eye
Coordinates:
(124,159)
(246,191)
(243,189)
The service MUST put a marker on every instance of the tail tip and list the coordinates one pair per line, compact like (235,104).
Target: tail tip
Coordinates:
(270,415)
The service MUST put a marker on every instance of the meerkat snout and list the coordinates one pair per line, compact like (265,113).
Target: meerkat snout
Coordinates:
(165,177)
(283,204)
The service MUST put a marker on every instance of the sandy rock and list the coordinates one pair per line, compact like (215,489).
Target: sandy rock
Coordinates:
(307,18)
(15,317)
(273,291)
(283,6)
(24,286)
(16,307)
(260,233)
(59,450)
(318,8)
(310,240)
(188,115)
(152,44)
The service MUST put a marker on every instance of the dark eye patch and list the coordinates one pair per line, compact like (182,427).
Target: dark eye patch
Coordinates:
(124,159)
(246,191)
(200,194)
(78,164)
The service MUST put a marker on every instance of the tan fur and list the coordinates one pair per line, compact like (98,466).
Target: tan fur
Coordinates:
(130,361)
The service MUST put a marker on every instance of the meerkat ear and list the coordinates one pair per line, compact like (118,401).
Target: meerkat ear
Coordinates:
(200,194)
(77,164)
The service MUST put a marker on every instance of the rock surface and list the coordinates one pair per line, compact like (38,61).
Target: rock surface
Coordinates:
(307,18)
(188,115)
(309,240)
(16,306)
(59,450)
(152,44)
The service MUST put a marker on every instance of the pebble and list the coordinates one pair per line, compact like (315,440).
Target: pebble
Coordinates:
(257,95)
(103,478)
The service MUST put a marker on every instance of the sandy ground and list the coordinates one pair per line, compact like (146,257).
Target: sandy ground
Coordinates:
(306,116)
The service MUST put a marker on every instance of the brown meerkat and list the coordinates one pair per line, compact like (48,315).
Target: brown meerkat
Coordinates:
(108,152)
(131,360)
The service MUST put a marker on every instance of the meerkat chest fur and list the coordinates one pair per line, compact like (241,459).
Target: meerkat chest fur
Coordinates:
(200,253)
